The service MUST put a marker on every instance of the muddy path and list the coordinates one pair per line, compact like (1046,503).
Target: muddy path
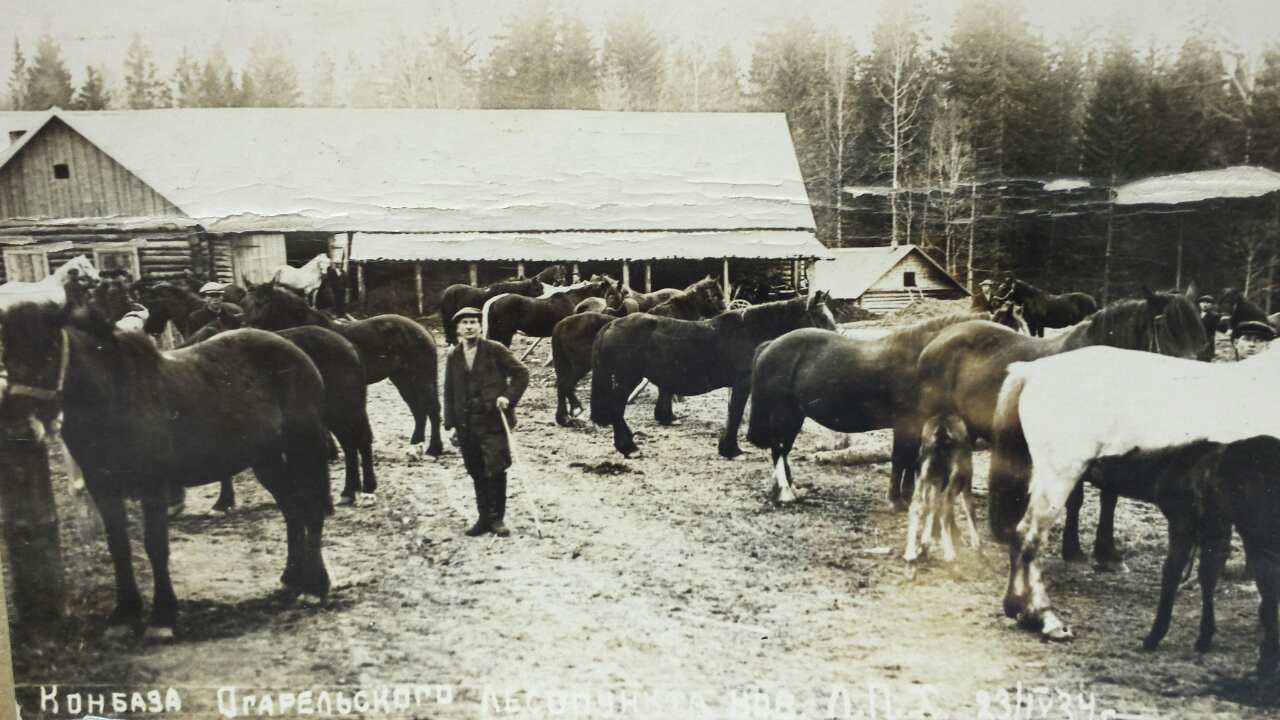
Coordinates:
(662,586)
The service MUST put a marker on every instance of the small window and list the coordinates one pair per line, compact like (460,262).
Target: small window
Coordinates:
(908,279)
(26,265)
(62,171)
(122,258)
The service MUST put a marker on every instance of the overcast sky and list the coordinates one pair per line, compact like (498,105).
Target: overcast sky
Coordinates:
(98,31)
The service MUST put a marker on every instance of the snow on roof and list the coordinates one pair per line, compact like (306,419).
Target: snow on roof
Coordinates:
(1242,181)
(855,270)
(250,169)
(588,246)
(1064,184)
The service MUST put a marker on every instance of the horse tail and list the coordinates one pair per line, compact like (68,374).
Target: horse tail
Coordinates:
(764,398)
(602,391)
(1007,484)
(559,356)
(485,324)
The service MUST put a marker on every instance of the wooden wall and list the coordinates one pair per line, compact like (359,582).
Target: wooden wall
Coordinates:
(97,187)
(928,277)
(159,256)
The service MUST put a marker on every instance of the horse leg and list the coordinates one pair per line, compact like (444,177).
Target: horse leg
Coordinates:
(1181,542)
(662,412)
(351,463)
(164,603)
(1215,543)
(623,440)
(914,515)
(1071,551)
(226,496)
(115,522)
(1267,577)
(1104,542)
(737,405)
(562,403)
(1027,595)
(902,473)
(966,504)
(363,443)
(272,477)
(948,523)
(419,393)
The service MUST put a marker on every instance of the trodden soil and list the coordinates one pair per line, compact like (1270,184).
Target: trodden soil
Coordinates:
(667,584)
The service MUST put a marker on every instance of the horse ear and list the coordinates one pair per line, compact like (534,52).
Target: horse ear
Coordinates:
(1193,292)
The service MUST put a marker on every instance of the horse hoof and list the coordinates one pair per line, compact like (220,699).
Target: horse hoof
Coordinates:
(176,510)
(910,571)
(1054,629)
(347,500)
(310,599)
(1074,556)
(730,453)
(1013,607)
(117,632)
(368,499)
(158,634)
(1149,643)
(786,496)
(224,508)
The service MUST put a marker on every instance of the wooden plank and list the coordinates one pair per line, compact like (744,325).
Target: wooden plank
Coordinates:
(728,289)
(417,283)
(471,273)
(577,275)
(648,277)
(360,280)
(626,274)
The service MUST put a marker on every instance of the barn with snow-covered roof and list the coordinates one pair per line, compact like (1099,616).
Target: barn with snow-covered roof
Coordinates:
(414,198)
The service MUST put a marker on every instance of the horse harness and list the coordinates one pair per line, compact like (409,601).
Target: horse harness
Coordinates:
(45,394)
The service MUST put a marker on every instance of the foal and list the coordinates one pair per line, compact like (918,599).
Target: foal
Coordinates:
(1204,488)
(946,474)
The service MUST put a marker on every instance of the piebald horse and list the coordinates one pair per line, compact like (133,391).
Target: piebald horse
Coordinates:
(1055,416)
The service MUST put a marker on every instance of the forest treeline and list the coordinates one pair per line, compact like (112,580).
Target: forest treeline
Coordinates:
(992,99)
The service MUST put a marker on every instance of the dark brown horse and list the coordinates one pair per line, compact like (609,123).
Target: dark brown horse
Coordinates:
(687,357)
(505,315)
(573,336)
(390,346)
(634,301)
(1236,308)
(1044,310)
(962,370)
(345,413)
(459,296)
(138,422)
(844,384)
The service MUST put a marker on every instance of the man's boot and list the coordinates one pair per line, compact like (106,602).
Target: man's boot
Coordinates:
(498,505)
(482,509)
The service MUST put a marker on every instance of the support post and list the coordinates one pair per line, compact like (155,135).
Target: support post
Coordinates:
(520,269)
(728,289)
(795,276)
(648,277)
(360,281)
(30,527)
(417,284)
(577,276)
(626,274)
(1177,275)
(473,274)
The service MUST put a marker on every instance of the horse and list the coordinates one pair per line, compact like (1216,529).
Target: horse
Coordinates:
(345,412)
(139,422)
(946,475)
(1043,309)
(847,385)
(572,338)
(598,305)
(634,301)
(1203,489)
(459,296)
(506,314)
(1056,415)
(390,346)
(305,280)
(1012,316)
(232,293)
(961,372)
(167,302)
(52,288)
(689,357)
(1236,308)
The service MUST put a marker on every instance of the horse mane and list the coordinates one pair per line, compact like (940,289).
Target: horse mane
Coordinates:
(292,301)
(1127,324)
(778,315)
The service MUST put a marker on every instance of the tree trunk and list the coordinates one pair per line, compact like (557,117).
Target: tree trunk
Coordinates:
(973,225)
(1106,257)
(30,526)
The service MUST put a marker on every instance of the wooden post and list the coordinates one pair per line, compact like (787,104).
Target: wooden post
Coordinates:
(30,526)
(577,276)
(520,269)
(1177,274)
(360,281)
(626,274)
(728,289)
(473,274)
(417,284)
(795,275)
(648,277)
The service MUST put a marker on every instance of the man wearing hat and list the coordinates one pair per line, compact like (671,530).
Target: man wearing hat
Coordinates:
(215,309)
(1252,337)
(982,301)
(482,379)
(1210,318)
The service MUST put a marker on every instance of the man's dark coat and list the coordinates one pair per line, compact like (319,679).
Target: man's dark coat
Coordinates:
(470,397)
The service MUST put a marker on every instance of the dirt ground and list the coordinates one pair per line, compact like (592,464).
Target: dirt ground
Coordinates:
(665,586)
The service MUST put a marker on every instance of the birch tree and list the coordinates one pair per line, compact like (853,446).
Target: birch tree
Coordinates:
(899,79)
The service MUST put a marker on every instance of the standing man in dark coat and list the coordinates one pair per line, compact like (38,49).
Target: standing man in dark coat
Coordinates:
(481,379)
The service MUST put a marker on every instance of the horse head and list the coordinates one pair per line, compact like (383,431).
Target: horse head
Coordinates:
(36,357)
(1175,323)
(710,297)
(816,308)
(554,275)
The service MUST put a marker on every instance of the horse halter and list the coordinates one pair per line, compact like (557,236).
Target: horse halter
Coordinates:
(45,394)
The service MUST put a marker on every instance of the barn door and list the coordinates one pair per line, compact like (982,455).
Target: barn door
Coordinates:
(256,257)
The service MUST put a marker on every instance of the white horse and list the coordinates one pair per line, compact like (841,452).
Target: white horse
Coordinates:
(306,279)
(50,289)
(1056,415)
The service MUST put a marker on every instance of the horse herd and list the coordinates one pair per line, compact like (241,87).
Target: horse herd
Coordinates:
(1117,399)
